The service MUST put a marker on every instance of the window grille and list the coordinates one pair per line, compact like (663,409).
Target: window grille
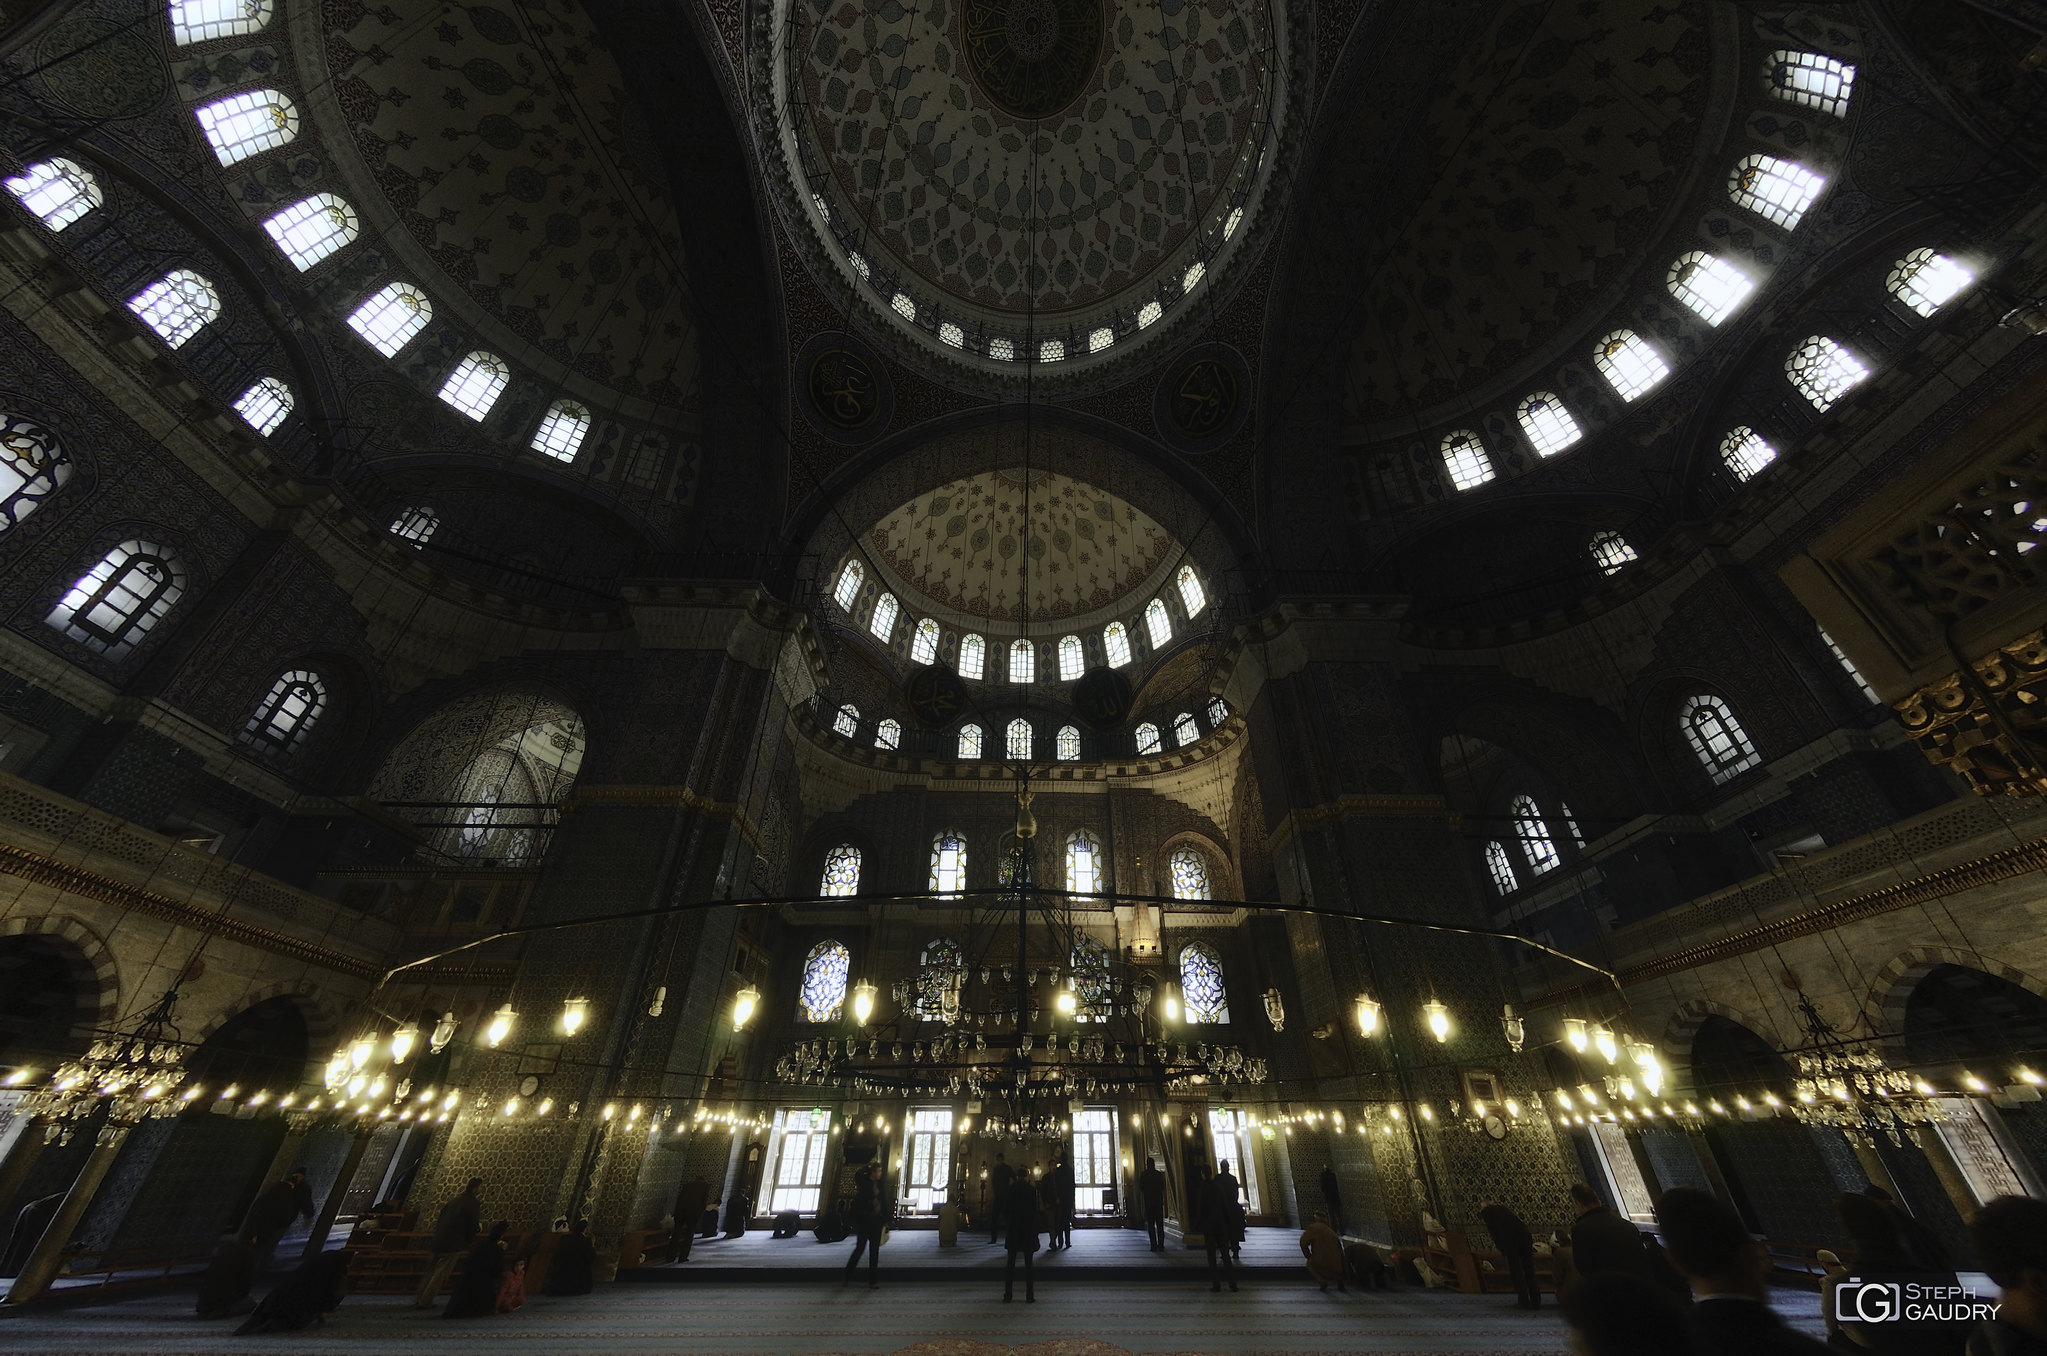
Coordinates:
(1072,661)
(265,405)
(888,734)
(1069,744)
(248,123)
(973,657)
(1629,365)
(1709,285)
(846,720)
(177,306)
(1745,452)
(841,872)
(1203,997)
(286,714)
(205,20)
(1116,644)
(58,191)
(1148,739)
(475,384)
(416,525)
(1548,425)
(1611,551)
(1019,742)
(970,742)
(312,228)
(1927,281)
(1779,191)
(388,321)
(924,643)
(1158,623)
(33,466)
(1823,371)
(882,625)
(1023,661)
(1533,834)
(1810,79)
(1722,746)
(949,863)
(1464,457)
(847,591)
(562,430)
(121,599)
(822,995)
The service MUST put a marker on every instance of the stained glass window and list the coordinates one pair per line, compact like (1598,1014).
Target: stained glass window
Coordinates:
(1148,738)
(1023,661)
(1202,996)
(389,320)
(1529,827)
(1629,365)
(888,734)
(1775,190)
(924,643)
(562,431)
(416,525)
(1926,281)
(248,123)
(121,599)
(58,191)
(1192,596)
(1548,425)
(1501,869)
(1717,738)
(1464,457)
(941,971)
(1019,743)
(1069,744)
(1810,79)
(973,656)
(1185,731)
(1709,285)
(1189,871)
(177,305)
(847,591)
(476,383)
(1157,623)
(948,864)
(1745,452)
(1823,371)
(841,872)
(312,228)
(882,625)
(823,994)
(1083,862)
(265,405)
(33,466)
(1610,550)
(1071,659)
(847,720)
(286,714)
(970,741)
(1116,644)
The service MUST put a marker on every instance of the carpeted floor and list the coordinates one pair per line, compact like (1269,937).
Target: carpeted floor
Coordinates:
(910,1319)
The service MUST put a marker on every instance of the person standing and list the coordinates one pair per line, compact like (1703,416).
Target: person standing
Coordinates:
(1602,1240)
(1058,1189)
(1517,1246)
(867,1223)
(689,1215)
(1151,1190)
(1332,1193)
(1222,1227)
(454,1229)
(1020,1213)
(1001,1180)
(284,1201)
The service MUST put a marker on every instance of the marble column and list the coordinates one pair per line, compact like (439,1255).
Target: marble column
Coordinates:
(48,1256)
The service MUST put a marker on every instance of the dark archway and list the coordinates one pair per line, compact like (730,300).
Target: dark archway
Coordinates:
(44,1004)
(1730,1061)
(262,1047)
(1957,1015)
(1782,1176)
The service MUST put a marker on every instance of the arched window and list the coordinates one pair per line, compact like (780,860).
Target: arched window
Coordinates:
(1189,872)
(1019,744)
(847,720)
(841,872)
(248,123)
(1116,644)
(1100,338)
(823,993)
(416,525)
(1069,744)
(882,625)
(1192,277)
(1218,712)
(1083,863)
(924,643)
(1745,452)
(646,461)
(1148,738)
(1002,349)
(1533,834)
(1848,665)
(1157,623)
(970,741)
(1051,350)
(388,321)
(312,228)
(951,335)
(1499,867)
(1092,990)
(1148,314)
(1810,79)
(941,973)
(177,306)
(948,864)
(204,20)
(847,591)
(888,734)
(1185,731)
(1717,738)
(973,656)
(121,599)
(1464,457)
(33,466)
(1823,371)
(1610,550)
(562,430)
(905,306)
(1202,995)
(286,714)
(1629,365)
(265,405)
(1709,285)
(1023,661)
(1775,190)
(1071,660)
(476,383)
(1192,596)
(58,191)
(1926,281)
(1548,426)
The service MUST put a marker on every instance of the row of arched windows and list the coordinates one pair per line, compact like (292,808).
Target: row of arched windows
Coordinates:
(1186,867)
(828,969)
(1020,736)
(1022,666)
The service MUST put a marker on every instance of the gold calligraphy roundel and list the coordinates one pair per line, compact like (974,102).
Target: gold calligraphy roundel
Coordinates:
(846,394)
(1031,58)
(1203,399)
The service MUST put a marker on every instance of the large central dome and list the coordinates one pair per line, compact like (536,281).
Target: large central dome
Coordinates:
(1019,180)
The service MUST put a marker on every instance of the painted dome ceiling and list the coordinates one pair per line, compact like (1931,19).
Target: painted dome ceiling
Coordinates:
(1004,172)
(1564,144)
(504,145)
(957,547)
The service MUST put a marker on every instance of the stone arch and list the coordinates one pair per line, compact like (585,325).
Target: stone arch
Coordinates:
(1682,1029)
(1890,989)
(1224,884)
(90,962)
(315,1008)
(252,1061)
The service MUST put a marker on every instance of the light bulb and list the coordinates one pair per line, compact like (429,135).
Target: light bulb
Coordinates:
(402,1041)
(1066,1001)
(1368,1010)
(360,1050)
(1438,1018)
(1574,1033)
(743,1005)
(574,1013)
(1609,1049)
(500,1026)
(1169,1006)
(863,1002)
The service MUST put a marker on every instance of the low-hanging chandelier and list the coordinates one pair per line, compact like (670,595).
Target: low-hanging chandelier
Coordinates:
(133,1076)
(1854,1090)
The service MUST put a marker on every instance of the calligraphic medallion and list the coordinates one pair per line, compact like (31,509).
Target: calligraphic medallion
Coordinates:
(936,696)
(1203,398)
(846,394)
(1101,699)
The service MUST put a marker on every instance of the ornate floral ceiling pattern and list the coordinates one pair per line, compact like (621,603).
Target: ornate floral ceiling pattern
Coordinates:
(504,142)
(1562,141)
(958,546)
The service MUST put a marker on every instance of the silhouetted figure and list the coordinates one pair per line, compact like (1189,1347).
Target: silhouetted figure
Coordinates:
(1615,1314)
(867,1224)
(689,1215)
(1730,1275)
(736,1210)
(1324,1251)
(1151,1190)
(1000,1180)
(1222,1227)
(2010,1234)
(483,1268)
(1881,1248)
(1517,1246)
(454,1230)
(1020,1215)
(224,1288)
(1057,1189)
(572,1271)
(281,1203)
(1332,1195)
(1602,1240)
(303,1298)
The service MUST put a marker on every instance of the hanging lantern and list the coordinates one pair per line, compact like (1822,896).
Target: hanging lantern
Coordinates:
(1574,1033)
(444,1031)
(1169,1006)
(1438,1019)
(402,1042)
(743,1005)
(1603,1040)
(574,1013)
(500,1026)
(863,1002)
(1368,1011)
(1513,1028)
(360,1050)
